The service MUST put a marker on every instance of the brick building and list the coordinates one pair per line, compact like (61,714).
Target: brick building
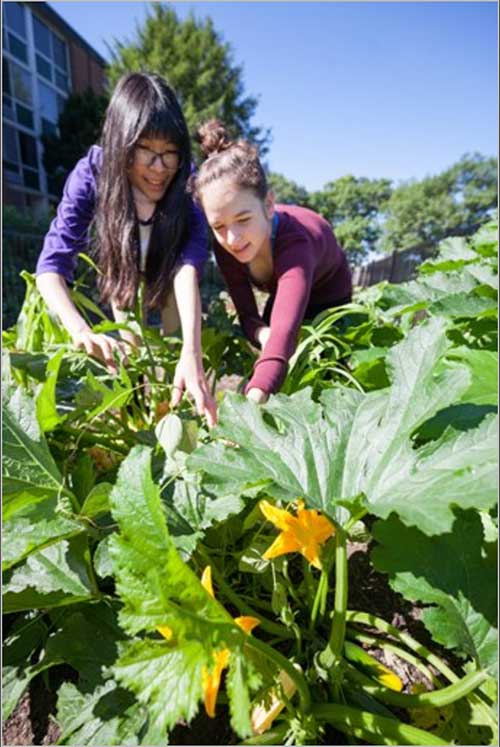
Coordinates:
(43,61)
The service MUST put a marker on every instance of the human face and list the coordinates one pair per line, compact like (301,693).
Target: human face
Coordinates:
(240,220)
(154,166)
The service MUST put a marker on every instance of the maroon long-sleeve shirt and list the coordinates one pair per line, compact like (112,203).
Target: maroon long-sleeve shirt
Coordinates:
(310,270)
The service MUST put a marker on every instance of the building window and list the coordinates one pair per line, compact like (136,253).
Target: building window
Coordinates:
(24,116)
(14,18)
(14,38)
(48,102)
(42,37)
(51,55)
(17,94)
(21,83)
(20,157)
(43,67)
(59,52)
(8,107)
(51,105)
(11,157)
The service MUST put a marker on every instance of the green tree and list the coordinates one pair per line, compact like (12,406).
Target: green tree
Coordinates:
(354,207)
(454,202)
(287,191)
(475,187)
(79,126)
(196,63)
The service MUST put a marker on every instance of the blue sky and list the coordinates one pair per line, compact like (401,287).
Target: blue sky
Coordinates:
(397,89)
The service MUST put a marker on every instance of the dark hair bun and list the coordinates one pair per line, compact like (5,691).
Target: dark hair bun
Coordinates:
(213,137)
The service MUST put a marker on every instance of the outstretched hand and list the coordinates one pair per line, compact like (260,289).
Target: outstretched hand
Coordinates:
(190,377)
(102,347)
(257,396)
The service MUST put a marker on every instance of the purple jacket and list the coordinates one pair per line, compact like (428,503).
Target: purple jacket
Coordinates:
(68,232)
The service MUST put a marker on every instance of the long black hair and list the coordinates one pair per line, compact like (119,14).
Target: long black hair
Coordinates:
(142,105)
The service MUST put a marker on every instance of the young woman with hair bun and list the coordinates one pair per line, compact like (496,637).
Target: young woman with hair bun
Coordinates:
(289,251)
(132,190)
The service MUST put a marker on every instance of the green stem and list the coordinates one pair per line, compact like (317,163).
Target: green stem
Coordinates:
(283,663)
(309,582)
(433,699)
(324,595)
(318,598)
(94,438)
(258,602)
(265,624)
(291,588)
(273,736)
(333,652)
(383,644)
(371,727)
(354,519)
(365,618)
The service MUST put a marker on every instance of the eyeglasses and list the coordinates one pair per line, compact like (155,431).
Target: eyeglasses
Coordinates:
(147,157)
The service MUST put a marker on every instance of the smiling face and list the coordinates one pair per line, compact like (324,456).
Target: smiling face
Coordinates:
(151,178)
(240,220)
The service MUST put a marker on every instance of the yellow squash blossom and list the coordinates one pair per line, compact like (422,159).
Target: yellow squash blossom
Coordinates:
(262,717)
(211,680)
(304,533)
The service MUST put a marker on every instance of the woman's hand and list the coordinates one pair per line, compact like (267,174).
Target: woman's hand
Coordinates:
(190,376)
(102,347)
(262,336)
(257,396)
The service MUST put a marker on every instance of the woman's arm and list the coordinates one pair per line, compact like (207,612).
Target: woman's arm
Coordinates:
(55,293)
(189,373)
(294,270)
(67,236)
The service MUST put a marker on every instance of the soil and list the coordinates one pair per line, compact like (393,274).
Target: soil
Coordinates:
(33,720)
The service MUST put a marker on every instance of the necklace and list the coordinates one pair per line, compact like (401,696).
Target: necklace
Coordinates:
(147,222)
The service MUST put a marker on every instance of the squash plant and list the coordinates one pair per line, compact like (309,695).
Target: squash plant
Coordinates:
(175,569)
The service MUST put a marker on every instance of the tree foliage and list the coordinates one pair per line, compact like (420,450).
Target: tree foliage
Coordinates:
(192,56)
(287,191)
(451,203)
(79,126)
(354,207)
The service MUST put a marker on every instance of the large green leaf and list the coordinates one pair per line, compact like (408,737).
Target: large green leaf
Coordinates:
(32,484)
(48,417)
(159,589)
(298,451)
(98,398)
(189,508)
(454,253)
(86,638)
(108,715)
(451,572)
(54,576)
(34,526)
(466,293)
(351,444)
(190,511)
(27,465)
(483,366)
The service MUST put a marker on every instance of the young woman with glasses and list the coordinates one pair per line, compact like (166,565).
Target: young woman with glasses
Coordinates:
(286,250)
(130,192)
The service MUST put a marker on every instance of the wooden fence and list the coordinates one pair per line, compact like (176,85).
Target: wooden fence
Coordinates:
(396,267)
